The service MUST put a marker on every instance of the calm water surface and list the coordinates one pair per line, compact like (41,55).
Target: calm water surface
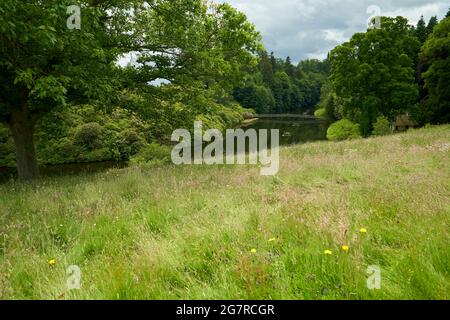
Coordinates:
(293,130)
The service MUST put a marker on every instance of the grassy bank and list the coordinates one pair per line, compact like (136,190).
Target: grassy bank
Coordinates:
(228,233)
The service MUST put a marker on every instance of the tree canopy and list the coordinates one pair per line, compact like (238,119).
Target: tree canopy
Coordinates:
(373,73)
(288,87)
(435,57)
(45,65)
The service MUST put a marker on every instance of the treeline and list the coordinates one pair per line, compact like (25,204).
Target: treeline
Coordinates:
(393,71)
(278,86)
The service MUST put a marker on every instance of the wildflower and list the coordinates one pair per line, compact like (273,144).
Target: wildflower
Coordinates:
(272,239)
(363,230)
(328,252)
(345,248)
(253,251)
(52,262)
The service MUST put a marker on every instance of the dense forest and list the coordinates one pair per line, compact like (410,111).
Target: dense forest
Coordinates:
(277,86)
(64,97)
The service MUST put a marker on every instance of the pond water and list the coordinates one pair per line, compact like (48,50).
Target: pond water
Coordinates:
(293,130)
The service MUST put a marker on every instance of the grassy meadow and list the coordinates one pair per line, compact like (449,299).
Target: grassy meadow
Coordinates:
(225,232)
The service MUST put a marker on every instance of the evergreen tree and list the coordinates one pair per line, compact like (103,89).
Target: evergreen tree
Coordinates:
(265,67)
(282,92)
(273,62)
(431,24)
(448,14)
(421,30)
(289,67)
(435,58)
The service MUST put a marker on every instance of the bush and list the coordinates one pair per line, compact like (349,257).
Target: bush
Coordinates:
(89,135)
(129,145)
(382,127)
(321,113)
(343,130)
(153,153)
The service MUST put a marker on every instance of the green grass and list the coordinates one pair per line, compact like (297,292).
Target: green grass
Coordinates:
(187,232)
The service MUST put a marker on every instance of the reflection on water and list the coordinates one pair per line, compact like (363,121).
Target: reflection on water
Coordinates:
(293,130)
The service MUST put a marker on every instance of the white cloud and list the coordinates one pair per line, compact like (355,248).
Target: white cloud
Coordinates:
(335,35)
(310,28)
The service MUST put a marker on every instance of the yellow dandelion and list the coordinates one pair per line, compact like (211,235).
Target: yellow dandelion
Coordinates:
(345,248)
(253,251)
(52,262)
(363,230)
(272,239)
(328,252)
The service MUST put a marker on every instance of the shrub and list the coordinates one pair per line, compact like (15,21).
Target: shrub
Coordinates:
(89,135)
(129,145)
(343,130)
(321,113)
(153,153)
(382,127)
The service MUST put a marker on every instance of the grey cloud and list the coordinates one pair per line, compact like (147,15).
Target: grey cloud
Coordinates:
(311,28)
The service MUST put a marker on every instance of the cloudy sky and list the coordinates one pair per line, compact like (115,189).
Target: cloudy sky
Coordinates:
(311,28)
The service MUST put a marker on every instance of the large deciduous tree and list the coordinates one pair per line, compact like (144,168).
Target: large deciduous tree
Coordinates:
(44,65)
(373,73)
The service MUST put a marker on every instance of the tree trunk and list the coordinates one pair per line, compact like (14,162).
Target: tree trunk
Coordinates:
(22,129)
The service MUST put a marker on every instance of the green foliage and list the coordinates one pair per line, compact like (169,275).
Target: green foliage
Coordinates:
(329,102)
(435,59)
(373,74)
(48,63)
(421,30)
(153,154)
(278,86)
(321,113)
(343,130)
(381,127)
(257,97)
(198,48)
(432,24)
(282,89)
(87,134)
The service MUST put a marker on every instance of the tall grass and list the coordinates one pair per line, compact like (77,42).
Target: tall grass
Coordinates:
(198,232)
